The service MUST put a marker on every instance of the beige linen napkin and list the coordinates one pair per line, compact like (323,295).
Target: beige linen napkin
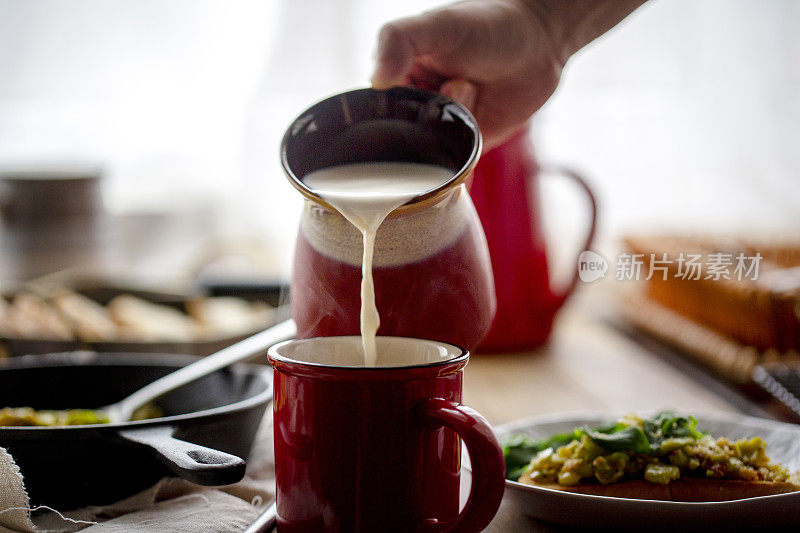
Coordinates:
(206,510)
(14,503)
(172,505)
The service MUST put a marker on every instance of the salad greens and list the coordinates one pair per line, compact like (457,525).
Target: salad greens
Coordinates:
(619,437)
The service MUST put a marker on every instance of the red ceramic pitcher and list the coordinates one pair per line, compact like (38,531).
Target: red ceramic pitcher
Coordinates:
(431,265)
(506,195)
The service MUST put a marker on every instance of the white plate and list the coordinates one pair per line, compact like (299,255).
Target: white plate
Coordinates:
(583,510)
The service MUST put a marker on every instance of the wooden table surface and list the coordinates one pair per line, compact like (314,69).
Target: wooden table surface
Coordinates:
(587,365)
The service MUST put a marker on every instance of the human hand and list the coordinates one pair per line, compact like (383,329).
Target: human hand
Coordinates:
(494,56)
(500,58)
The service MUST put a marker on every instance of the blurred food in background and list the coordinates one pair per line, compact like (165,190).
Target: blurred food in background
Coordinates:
(36,320)
(732,302)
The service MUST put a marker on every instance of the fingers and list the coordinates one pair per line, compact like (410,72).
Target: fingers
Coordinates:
(395,57)
(461,90)
(402,41)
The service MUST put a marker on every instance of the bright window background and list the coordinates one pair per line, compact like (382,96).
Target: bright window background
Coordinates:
(685,116)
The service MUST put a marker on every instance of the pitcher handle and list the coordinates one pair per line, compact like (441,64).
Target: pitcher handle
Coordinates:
(581,181)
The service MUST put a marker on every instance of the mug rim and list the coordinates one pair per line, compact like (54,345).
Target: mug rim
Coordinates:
(275,357)
(428,197)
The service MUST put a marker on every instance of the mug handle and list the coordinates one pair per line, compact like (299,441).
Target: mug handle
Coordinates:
(581,181)
(486,458)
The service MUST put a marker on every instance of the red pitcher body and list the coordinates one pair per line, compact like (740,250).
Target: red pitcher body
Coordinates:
(506,195)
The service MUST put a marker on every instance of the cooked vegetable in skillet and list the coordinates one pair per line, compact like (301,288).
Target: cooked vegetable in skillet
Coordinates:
(26,416)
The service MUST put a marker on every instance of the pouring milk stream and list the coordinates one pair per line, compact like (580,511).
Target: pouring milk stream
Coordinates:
(365,194)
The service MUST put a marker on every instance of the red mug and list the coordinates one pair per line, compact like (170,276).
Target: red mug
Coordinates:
(506,197)
(361,449)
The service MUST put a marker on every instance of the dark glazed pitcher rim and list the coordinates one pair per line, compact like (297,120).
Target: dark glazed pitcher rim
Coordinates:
(330,119)
(286,364)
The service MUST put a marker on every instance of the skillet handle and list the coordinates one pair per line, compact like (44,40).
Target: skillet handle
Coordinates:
(192,462)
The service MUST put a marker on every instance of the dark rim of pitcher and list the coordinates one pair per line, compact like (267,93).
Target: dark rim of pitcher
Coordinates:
(425,199)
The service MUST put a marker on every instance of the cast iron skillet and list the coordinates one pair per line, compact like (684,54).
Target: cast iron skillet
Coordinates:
(207,425)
